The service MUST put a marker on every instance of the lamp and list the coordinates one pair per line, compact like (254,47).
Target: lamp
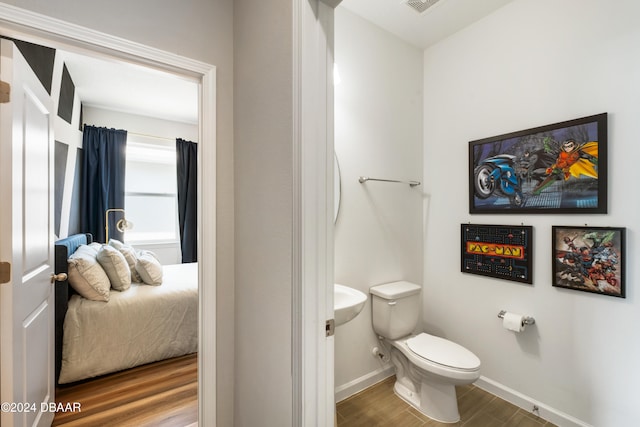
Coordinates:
(122,224)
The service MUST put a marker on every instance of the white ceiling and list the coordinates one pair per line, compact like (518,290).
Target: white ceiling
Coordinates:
(423,30)
(130,88)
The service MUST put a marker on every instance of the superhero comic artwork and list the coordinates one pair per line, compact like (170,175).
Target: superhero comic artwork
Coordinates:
(558,168)
(590,259)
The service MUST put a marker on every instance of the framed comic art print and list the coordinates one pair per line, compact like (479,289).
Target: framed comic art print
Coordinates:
(589,259)
(558,168)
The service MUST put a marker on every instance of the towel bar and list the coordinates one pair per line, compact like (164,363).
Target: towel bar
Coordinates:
(364,179)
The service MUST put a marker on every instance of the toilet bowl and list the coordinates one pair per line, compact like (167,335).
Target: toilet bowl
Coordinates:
(427,370)
(427,367)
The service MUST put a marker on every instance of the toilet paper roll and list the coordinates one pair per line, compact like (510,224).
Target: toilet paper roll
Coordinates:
(513,322)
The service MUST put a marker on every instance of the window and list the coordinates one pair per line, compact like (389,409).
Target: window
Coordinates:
(151,200)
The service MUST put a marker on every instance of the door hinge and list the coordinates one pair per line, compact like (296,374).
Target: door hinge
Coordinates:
(330,327)
(5,92)
(5,272)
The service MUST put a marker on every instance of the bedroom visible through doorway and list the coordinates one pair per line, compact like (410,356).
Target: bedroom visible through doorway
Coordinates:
(203,79)
(119,95)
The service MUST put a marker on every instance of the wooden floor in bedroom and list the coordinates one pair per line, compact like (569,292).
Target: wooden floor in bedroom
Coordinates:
(161,394)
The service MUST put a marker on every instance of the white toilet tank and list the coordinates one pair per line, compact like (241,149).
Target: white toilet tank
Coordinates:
(395,308)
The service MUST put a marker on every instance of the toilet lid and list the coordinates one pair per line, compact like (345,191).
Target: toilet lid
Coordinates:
(443,352)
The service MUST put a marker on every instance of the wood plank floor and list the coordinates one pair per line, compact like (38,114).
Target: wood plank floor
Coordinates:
(161,394)
(379,406)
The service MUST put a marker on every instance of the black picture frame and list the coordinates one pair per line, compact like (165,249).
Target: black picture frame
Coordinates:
(499,251)
(557,168)
(589,259)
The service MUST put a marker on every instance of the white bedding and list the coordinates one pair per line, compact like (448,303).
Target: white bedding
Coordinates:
(140,325)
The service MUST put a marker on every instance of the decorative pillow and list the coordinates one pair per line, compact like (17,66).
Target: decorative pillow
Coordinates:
(93,248)
(149,268)
(116,267)
(131,257)
(116,243)
(86,275)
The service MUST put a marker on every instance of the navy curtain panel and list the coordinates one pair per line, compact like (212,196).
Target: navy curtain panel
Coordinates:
(102,180)
(187,166)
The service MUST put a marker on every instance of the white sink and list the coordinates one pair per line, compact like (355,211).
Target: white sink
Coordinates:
(347,303)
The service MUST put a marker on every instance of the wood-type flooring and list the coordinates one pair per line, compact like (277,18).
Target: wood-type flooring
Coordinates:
(379,406)
(161,394)
(165,394)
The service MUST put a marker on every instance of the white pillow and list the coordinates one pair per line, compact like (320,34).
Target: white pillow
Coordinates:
(116,267)
(131,257)
(95,246)
(149,268)
(86,275)
(116,243)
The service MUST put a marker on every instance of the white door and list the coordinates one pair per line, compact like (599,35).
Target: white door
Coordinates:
(26,242)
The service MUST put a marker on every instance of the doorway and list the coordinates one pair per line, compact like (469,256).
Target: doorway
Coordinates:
(55,34)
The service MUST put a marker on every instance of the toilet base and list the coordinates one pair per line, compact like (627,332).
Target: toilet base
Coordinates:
(437,401)
(430,394)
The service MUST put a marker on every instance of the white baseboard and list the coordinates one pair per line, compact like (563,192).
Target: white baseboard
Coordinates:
(545,412)
(349,389)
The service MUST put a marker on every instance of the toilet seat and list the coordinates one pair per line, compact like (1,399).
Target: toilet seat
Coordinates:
(443,352)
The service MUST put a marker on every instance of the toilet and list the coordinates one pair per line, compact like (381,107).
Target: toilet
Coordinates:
(427,367)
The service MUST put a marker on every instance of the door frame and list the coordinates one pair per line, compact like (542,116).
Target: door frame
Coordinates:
(44,30)
(313,216)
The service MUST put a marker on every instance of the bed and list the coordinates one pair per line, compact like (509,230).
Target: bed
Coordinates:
(139,325)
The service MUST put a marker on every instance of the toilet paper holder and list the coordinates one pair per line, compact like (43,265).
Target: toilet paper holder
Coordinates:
(527,320)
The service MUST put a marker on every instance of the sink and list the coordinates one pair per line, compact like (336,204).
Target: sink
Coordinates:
(347,303)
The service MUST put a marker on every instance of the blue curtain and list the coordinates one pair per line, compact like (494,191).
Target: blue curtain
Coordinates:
(102,180)
(187,166)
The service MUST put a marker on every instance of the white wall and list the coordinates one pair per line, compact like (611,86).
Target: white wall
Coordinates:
(142,125)
(201,30)
(378,133)
(69,134)
(531,63)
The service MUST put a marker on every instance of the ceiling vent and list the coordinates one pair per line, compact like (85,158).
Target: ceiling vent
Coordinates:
(421,6)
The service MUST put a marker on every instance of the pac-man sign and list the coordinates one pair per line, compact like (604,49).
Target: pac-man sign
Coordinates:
(496,249)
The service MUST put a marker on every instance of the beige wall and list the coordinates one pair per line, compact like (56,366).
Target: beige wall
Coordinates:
(201,30)
(263,177)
